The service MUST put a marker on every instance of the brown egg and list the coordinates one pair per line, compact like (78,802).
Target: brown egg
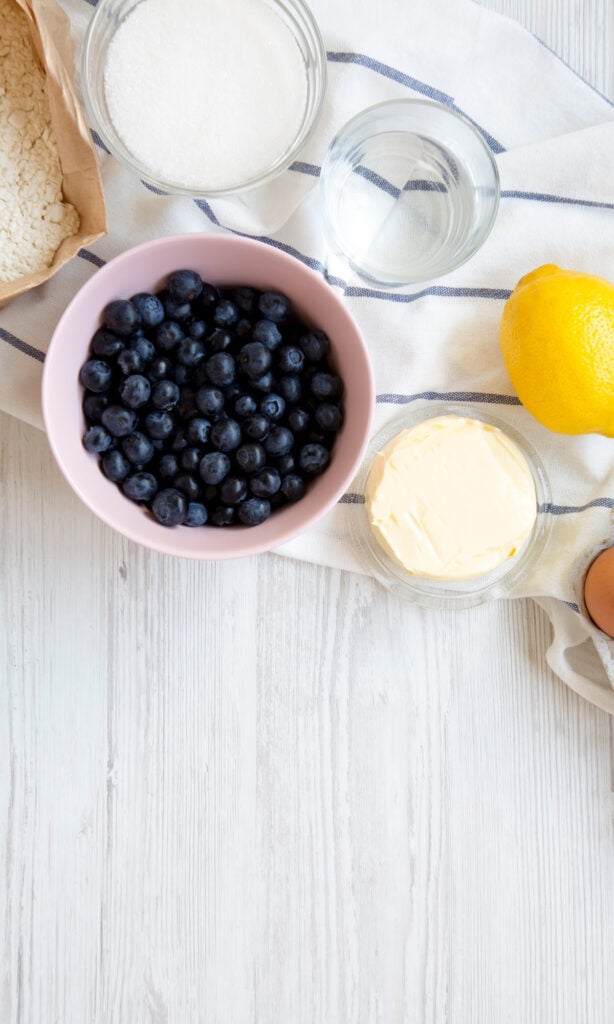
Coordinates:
(599,591)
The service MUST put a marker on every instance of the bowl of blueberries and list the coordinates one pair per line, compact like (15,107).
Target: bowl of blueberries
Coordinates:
(207,396)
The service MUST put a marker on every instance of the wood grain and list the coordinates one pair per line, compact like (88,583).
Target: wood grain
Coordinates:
(337,809)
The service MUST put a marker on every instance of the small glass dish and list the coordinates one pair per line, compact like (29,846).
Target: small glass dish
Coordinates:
(409,191)
(107,18)
(437,593)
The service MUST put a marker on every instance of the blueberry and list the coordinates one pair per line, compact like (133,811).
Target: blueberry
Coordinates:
(245,405)
(209,296)
(150,308)
(274,306)
(115,466)
(250,457)
(315,345)
(219,340)
(165,394)
(210,493)
(190,352)
(262,384)
(232,391)
(279,441)
(293,486)
(187,404)
(140,486)
(159,368)
(145,348)
(245,299)
(168,335)
(196,514)
(180,374)
(329,417)
(273,406)
(285,464)
(214,466)
(184,285)
(138,448)
(179,441)
(197,329)
(289,387)
(129,362)
(94,406)
(265,483)
(209,401)
(121,317)
(106,344)
(173,310)
(225,313)
(168,466)
(159,424)
(290,359)
(189,485)
(243,329)
(198,430)
(190,459)
(96,375)
(257,427)
(254,359)
(223,516)
(233,489)
(97,439)
(170,507)
(313,459)
(298,420)
(119,421)
(135,391)
(325,385)
(221,368)
(254,511)
(268,333)
(226,435)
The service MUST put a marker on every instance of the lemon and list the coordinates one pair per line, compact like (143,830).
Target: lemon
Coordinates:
(557,340)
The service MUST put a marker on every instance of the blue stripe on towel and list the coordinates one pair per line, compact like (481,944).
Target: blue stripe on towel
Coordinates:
(336,57)
(410,83)
(448,396)
(564,510)
(443,291)
(547,197)
(91,257)
(303,168)
(22,346)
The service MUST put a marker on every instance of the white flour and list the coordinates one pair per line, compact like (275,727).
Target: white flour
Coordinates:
(205,92)
(34,219)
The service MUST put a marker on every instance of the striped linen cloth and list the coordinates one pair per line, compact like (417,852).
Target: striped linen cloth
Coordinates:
(553,138)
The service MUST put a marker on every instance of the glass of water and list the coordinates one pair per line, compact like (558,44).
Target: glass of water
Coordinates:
(409,191)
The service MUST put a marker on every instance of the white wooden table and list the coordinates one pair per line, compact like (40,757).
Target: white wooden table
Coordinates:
(269,793)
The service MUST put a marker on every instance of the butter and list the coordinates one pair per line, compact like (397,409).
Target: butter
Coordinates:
(451,498)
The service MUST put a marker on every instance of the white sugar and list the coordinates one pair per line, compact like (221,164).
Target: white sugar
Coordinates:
(205,93)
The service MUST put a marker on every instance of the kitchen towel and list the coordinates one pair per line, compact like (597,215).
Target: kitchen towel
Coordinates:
(553,138)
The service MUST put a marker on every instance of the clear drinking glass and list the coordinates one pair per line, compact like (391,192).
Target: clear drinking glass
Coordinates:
(409,191)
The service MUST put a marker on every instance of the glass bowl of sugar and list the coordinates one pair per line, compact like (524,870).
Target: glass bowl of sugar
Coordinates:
(203,97)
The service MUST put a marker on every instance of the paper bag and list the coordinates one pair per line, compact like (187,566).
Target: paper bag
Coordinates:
(81,184)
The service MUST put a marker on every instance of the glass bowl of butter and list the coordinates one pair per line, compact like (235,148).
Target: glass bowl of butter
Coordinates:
(451,506)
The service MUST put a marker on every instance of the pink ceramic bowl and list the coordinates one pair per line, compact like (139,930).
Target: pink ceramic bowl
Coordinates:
(222,260)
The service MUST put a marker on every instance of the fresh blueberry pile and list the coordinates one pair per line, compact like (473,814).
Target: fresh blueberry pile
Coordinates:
(209,405)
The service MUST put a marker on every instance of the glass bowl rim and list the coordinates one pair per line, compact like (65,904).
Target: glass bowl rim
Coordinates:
(129,161)
(434,593)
